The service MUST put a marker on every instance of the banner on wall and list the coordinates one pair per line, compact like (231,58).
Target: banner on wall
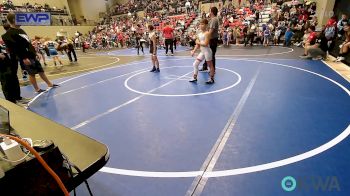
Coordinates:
(33,19)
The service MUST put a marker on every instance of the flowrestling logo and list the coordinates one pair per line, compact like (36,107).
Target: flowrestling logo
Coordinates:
(289,183)
(311,183)
(33,19)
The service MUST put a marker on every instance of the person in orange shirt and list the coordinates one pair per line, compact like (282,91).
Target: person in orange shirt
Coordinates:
(168,34)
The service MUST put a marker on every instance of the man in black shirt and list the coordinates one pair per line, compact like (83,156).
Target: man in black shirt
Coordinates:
(19,45)
(318,51)
(8,76)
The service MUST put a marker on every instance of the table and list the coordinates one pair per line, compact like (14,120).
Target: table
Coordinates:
(86,153)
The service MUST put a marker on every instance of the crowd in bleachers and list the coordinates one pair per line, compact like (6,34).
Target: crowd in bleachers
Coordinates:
(256,22)
(334,39)
(122,31)
(170,7)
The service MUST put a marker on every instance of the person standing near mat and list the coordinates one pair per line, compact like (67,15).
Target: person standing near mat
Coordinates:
(168,34)
(139,43)
(18,43)
(153,40)
(8,73)
(214,35)
(8,78)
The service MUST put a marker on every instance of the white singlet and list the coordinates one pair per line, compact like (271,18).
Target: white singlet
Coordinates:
(206,52)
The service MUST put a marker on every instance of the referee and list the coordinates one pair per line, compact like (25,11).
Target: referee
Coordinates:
(214,34)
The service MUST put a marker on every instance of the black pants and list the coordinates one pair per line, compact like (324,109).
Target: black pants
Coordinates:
(174,42)
(69,53)
(169,42)
(298,36)
(247,38)
(140,45)
(260,40)
(287,42)
(213,43)
(192,43)
(9,80)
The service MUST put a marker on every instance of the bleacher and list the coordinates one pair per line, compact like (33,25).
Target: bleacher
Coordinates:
(142,6)
(239,22)
(176,18)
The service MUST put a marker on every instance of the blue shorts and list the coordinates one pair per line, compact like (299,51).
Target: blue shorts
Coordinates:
(53,52)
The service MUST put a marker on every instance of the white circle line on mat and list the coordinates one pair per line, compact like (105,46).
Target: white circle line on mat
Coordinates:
(244,170)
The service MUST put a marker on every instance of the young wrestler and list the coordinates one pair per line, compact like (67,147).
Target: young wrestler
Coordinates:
(153,48)
(202,42)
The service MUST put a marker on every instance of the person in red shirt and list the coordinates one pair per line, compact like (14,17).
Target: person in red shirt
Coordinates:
(168,34)
(226,23)
(120,39)
(310,41)
(304,16)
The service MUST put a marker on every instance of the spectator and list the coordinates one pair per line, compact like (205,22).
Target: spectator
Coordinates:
(344,47)
(288,37)
(267,35)
(342,22)
(310,41)
(139,43)
(299,32)
(237,35)
(251,33)
(260,37)
(257,16)
(168,34)
(314,21)
(277,36)
(319,50)
(225,38)
(188,6)
(331,28)
(245,34)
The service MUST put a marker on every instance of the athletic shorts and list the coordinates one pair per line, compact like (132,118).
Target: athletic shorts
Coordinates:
(151,50)
(53,52)
(34,68)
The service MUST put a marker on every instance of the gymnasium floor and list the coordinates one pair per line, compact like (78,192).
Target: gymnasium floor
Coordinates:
(269,115)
